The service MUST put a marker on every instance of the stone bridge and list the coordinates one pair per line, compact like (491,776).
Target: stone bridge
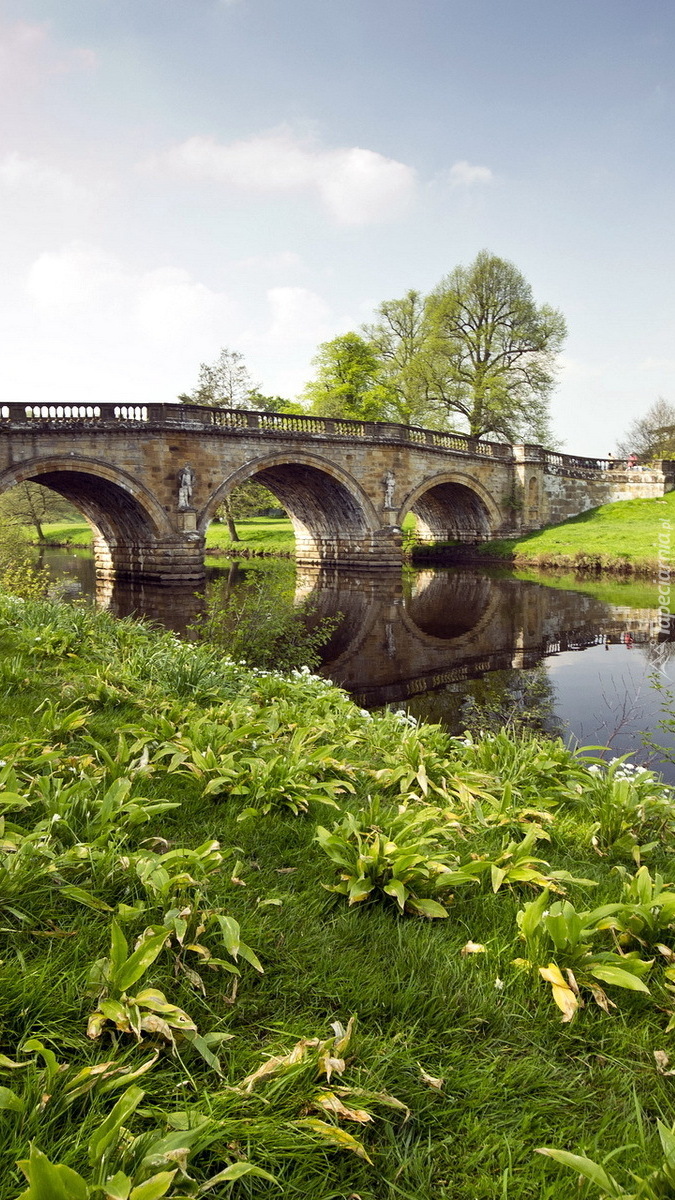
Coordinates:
(150,478)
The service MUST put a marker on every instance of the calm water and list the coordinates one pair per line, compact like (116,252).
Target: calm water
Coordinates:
(467,647)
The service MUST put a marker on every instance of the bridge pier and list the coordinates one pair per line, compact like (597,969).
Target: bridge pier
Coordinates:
(172,560)
(382,549)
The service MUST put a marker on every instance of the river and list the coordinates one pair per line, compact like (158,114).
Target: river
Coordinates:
(468,648)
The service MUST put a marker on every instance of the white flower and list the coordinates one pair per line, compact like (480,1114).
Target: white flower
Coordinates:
(499,984)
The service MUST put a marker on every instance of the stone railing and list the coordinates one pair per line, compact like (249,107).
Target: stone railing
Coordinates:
(198,416)
(573,464)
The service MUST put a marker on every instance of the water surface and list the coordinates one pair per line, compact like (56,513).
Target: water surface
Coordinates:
(469,648)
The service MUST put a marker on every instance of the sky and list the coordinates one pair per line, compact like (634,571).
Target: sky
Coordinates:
(181,175)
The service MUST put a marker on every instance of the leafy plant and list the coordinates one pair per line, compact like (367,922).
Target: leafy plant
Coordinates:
(562,931)
(147,1012)
(624,801)
(112,1146)
(405,857)
(654,1186)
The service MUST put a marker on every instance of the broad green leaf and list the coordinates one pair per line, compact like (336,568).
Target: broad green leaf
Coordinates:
(49,1181)
(117,1187)
(396,889)
(87,898)
(9,1101)
(107,1133)
(250,956)
(497,876)
(8,1064)
(426,908)
(586,1167)
(667,1137)
(234,1172)
(620,978)
(230,930)
(153,1188)
(202,1047)
(335,1135)
(118,948)
(138,963)
(530,916)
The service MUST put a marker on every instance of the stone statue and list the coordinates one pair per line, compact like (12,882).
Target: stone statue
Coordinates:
(389,485)
(186,479)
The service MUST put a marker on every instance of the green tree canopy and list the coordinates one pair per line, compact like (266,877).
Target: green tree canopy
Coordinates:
(399,338)
(349,381)
(651,435)
(490,354)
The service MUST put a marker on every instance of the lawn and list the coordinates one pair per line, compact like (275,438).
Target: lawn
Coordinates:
(470,1005)
(266,534)
(614,534)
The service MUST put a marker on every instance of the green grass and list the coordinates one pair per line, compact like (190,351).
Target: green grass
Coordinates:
(625,533)
(260,534)
(513,1077)
(266,534)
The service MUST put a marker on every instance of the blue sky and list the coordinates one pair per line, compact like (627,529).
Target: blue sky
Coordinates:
(179,175)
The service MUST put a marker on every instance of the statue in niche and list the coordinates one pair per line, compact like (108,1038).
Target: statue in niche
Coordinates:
(186,479)
(389,485)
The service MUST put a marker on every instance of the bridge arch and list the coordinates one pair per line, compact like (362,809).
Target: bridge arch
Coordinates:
(127,520)
(452,505)
(331,514)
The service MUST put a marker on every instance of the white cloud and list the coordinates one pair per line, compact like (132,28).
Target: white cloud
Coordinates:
(170,305)
(356,186)
(163,306)
(465,174)
(18,174)
(298,315)
(78,275)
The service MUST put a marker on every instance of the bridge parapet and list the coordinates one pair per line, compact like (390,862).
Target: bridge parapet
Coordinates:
(192,416)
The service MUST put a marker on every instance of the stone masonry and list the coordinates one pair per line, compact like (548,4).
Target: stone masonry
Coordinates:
(150,478)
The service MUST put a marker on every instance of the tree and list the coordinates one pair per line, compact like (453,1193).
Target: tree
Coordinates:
(399,339)
(653,435)
(349,381)
(226,383)
(31,505)
(490,351)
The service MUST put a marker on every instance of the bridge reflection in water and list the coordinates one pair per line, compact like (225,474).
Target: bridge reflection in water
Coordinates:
(403,636)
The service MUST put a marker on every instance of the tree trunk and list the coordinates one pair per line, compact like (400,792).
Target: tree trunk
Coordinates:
(231,527)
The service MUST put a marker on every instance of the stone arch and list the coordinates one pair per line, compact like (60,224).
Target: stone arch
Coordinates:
(452,506)
(333,519)
(126,519)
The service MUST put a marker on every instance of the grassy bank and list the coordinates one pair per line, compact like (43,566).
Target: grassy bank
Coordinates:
(621,536)
(409,1044)
(265,535)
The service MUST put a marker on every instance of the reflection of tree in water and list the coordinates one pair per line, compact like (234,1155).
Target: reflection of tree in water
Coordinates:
(520,700)
(449,604)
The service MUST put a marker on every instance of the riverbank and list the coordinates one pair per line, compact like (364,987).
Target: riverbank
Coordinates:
(153,791)
(631,537)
